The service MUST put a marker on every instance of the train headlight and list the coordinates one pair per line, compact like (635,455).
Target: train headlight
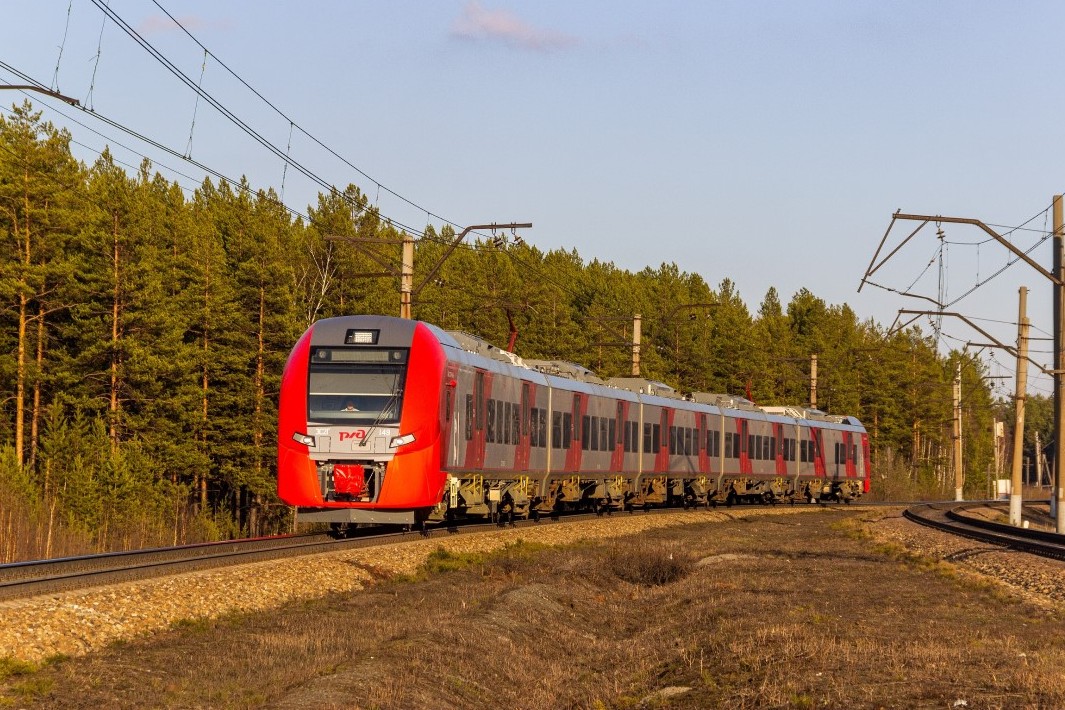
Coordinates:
(305,439)
(398,441)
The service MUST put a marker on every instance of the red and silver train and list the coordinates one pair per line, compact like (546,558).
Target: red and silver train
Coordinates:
(384,420)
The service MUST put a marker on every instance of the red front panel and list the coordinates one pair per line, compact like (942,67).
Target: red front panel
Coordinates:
(297,476)
(414,479)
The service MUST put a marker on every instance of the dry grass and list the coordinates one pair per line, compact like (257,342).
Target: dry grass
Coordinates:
(796,612)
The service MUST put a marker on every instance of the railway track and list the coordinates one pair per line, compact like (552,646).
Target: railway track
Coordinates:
(26,579)
(39,577)
(952,518)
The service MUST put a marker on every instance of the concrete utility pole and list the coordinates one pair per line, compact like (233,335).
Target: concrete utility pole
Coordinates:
(813,381)
(1059,363)
(1019,399)
(636,345)
(959,474)
(406,276)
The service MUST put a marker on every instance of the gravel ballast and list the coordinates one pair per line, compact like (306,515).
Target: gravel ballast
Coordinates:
(76,623)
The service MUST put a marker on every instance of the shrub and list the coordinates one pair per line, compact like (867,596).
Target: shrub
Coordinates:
(652,565)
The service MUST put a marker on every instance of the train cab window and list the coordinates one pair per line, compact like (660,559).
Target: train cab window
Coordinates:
(355,386)
(854,452)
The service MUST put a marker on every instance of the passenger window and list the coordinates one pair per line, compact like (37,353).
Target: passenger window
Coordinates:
(469,417)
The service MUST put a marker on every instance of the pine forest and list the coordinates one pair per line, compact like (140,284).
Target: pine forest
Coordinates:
(144,329)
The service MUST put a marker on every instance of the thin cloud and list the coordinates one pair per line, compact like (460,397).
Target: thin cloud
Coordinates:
(478,23)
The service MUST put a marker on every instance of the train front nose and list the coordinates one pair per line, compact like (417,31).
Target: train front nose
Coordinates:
(359,420)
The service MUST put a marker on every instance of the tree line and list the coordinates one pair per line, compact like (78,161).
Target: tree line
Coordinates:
(144,327)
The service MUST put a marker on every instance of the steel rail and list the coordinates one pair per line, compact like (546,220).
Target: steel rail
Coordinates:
(40,577)
(949,518)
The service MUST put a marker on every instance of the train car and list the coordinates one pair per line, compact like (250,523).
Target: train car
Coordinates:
(385,420)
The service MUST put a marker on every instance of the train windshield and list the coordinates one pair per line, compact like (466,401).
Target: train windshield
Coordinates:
(356,385)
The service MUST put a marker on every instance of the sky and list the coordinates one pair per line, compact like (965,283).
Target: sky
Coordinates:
(767,142)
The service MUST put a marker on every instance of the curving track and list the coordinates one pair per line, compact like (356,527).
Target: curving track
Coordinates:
(951,518)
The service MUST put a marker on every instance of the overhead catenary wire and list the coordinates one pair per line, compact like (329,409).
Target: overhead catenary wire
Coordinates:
(429,213)
(237,184)
(244,126)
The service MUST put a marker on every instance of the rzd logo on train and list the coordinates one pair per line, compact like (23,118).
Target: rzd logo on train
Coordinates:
(357,434)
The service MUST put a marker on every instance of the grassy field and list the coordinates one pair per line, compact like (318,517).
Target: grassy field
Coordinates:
(797,611)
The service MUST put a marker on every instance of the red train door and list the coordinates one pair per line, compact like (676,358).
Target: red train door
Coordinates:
(477,403)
